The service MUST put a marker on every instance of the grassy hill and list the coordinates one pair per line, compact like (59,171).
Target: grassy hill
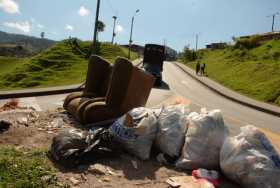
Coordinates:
(31,44)
(58,65)
(253,70)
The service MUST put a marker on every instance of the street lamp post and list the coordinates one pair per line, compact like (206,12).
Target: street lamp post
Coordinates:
(114,33)
(95,28)
(273,20)
(131,31)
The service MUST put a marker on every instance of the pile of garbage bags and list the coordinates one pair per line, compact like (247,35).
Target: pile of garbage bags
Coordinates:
(192,140)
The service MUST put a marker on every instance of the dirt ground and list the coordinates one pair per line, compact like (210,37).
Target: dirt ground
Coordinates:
(121,171)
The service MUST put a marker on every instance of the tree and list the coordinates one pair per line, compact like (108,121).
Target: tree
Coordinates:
(188,54)
(42,35)
(100,27)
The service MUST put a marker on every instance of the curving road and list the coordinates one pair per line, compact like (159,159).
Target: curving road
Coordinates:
(235,114)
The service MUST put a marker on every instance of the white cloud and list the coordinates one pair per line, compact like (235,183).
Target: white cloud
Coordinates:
(9,6)
(22,26)
(40,26)
(119,29)
(69,27)
(83,11)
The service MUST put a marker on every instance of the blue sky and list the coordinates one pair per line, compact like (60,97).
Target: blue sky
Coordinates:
(176,21)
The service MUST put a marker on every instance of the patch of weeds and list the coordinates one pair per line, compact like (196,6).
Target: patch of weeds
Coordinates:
(15,77)
(25,169)
(276,55)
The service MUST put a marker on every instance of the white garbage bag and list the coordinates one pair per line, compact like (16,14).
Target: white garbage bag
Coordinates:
(136,131)
(204,139)
(172,127)
(250,160)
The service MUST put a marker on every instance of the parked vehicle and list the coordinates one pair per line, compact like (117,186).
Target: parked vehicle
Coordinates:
(154,56)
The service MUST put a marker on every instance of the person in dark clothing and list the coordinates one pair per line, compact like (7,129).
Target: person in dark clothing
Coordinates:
(203,69)
(197,67)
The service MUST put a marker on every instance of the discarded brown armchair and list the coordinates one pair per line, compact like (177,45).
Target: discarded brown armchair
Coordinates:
(129,88)
(96,86)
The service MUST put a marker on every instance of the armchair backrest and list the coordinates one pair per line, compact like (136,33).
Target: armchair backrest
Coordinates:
(129,87)
(98,76)
(120,78)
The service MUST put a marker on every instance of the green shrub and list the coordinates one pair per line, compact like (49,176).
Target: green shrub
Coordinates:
(248,43)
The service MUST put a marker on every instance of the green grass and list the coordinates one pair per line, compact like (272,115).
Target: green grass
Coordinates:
(253,72)
(8,63)
(56,66)
(25,169)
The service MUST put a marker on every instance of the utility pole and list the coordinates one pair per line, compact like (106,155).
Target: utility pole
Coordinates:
(196,42)
(131,30)
(273,20)
(95,28)
(114,33)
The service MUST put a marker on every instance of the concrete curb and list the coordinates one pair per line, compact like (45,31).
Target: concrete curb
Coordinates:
(40,92)
(47,91)
(232,98)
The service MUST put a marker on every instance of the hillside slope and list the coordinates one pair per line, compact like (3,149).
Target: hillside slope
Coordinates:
(58,65)
(32,44)
(254,72)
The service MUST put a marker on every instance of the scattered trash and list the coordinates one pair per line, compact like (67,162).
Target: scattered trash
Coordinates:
(23,121)
(134,164)
(172,123)
(97,169)
(4,125)
(187,182)
(18,115)
(57,122)
(211,176)
(83,177)
(69,147)
(112,173)
(204,139)
(136,131)
(250,160)
(74,181)
(12,104)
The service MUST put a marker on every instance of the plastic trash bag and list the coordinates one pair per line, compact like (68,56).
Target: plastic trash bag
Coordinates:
(70,147)
(172,127)
(250,160)
(204,139)
(136,131)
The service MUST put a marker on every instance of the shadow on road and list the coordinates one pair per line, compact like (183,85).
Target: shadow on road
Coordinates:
(163,85)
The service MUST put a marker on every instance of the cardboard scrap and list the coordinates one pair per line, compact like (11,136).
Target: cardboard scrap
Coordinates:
(187,182)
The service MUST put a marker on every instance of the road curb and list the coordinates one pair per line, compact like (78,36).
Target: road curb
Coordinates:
(254,106)
(32,93)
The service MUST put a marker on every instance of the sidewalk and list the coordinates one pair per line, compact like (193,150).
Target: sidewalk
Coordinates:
(229,94)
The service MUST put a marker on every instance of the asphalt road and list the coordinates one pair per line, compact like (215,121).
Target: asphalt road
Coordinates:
(235,114)
(179,84)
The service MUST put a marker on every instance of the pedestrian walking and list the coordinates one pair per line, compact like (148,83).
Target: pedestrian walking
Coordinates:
(197,68)
(203,69)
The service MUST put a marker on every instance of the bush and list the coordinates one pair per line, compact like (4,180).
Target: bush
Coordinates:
(189,55)
(248,43)
(276,55)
